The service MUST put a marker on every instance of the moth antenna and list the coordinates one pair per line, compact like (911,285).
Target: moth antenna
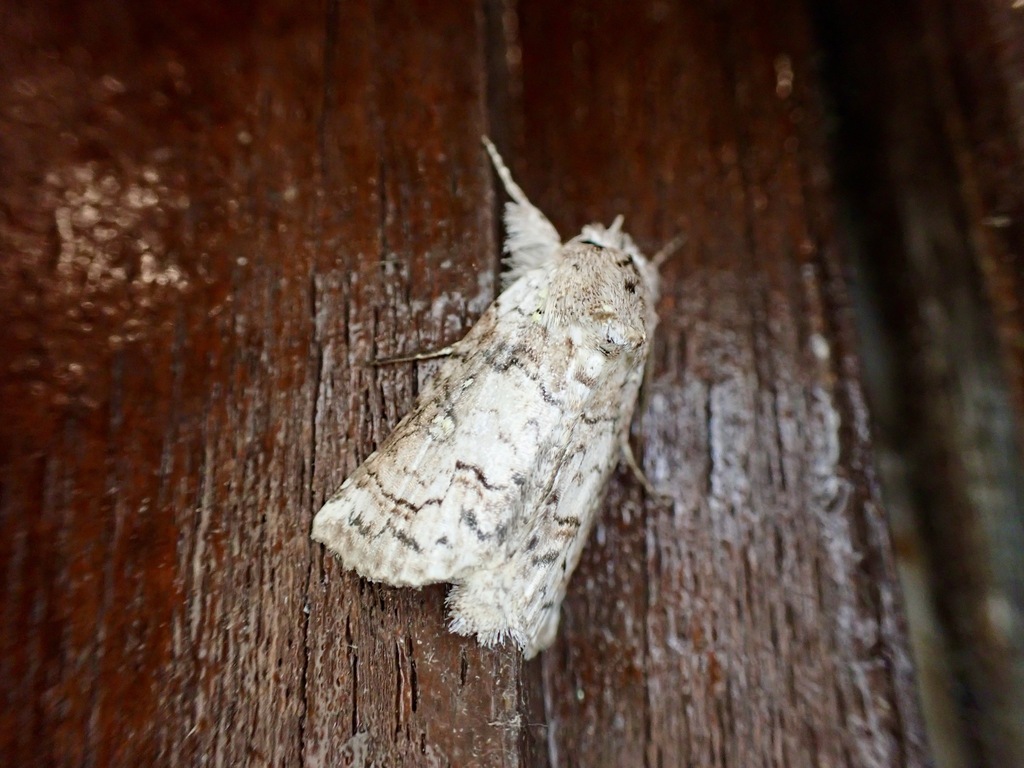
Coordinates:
(667,250)
(616,226)
(513,189)
(531,241)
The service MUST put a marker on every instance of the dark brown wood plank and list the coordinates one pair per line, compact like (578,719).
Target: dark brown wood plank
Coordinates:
(213,218)
(755,620)
(932,157)
(411,172)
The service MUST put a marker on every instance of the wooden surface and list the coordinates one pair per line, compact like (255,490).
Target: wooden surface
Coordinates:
(214,215)
(932,112)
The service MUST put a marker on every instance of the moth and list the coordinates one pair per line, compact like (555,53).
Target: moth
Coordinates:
(493,482)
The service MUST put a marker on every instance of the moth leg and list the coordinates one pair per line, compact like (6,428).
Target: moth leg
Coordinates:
(667,250)
(634,466)
(443,352)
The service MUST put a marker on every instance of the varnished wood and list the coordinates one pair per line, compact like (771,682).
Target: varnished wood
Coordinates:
(931,111)
(215,215)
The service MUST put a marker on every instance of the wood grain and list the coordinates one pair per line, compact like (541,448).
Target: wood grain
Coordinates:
(930,122)
(215,216)
(756,621)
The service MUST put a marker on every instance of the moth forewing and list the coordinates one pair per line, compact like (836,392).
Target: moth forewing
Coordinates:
(493,482)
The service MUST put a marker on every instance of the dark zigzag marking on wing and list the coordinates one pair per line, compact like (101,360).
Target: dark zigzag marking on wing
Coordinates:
(403,538)
(468,517)
(592,420)
(479,474)
(547,558)
(398,501)
(505,356)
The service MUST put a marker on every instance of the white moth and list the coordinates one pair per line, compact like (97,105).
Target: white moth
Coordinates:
(494,480)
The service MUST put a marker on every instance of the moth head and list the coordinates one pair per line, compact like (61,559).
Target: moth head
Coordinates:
(613,237)
(603,296)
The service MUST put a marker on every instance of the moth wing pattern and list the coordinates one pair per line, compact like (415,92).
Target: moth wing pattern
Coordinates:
(493,482)
(433,501)
(533,577)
